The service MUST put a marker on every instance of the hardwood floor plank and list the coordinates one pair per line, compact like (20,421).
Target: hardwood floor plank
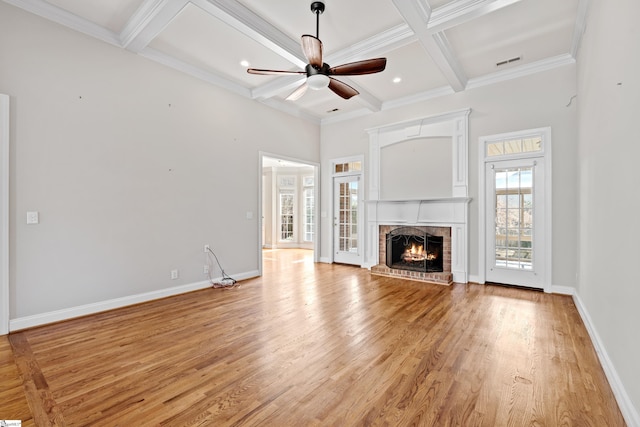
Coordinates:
(13,402)
(316,344)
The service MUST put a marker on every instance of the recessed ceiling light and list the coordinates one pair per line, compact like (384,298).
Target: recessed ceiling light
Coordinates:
(244,63)
(397,80)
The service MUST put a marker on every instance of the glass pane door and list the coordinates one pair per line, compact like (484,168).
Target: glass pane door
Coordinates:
(514,218)
(346,224)
(515,200)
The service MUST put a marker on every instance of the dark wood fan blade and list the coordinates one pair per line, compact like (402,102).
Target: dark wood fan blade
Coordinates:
(312,49)
(342,89)
(368,66)
(272,72)
(296,94)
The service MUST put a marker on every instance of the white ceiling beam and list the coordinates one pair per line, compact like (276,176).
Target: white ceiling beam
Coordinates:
(365,98)
(381,43)
(241,18)
(460,11)
(417,14)
(148,21)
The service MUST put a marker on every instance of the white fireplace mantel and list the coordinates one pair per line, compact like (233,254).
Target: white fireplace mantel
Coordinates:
(442,212)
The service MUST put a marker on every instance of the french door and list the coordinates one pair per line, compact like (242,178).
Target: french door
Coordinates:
(515,222)
(346,219)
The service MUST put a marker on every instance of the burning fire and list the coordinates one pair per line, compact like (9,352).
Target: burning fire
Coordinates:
(417,253)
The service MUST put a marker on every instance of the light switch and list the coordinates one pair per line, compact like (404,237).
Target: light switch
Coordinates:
(32,217)
(249,215)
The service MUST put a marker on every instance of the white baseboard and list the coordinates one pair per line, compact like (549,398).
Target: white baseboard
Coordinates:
(563,290)
(325,260)
(97,307)
(629,412)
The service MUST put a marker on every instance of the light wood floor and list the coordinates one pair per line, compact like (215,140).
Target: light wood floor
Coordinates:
(314,344)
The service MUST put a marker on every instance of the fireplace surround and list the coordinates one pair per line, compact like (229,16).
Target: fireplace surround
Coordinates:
(448,213)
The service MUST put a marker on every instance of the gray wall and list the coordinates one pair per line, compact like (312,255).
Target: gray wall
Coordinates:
(609,104)
(132,166)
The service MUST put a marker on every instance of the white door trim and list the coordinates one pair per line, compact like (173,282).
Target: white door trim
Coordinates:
(316,195)
(361,224)
(4,215)
(482,229)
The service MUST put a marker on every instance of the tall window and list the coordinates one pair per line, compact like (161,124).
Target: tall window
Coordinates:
(514,217)
(286,216)
(308,194)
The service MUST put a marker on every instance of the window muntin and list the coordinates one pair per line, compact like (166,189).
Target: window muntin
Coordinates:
(514,146)
(286,216)
(308,195)
(514,218)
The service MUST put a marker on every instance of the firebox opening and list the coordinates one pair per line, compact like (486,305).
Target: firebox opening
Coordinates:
(408,248)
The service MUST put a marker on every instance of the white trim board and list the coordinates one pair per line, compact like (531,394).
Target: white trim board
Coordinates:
(97,307)
(4,214)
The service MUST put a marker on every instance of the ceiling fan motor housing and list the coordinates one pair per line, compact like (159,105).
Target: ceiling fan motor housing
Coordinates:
(311,70)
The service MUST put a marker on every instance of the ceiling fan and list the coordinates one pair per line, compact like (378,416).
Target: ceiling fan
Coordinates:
(319,74)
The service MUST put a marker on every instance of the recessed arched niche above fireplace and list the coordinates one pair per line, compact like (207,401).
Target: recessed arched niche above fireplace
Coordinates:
(417,152)
(418,180)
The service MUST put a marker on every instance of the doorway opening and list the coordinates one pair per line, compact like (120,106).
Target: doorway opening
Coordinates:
(288,205)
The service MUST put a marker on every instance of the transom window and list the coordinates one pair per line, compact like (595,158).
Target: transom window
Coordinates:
(348,167)
(514,146)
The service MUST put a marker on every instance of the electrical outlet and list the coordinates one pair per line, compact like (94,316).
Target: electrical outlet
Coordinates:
(206,248)
(174,274)
(205,269)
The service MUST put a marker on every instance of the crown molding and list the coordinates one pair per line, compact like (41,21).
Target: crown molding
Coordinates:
(580,27)
(277,86)
(460,11)
(362,112)
(521,71)
(291,109)
(54,13)
(170,61)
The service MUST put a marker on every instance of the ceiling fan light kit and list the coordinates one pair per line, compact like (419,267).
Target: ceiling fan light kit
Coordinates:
(317,81)
(319,74)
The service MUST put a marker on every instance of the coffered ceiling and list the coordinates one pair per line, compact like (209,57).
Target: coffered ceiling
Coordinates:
(433,47)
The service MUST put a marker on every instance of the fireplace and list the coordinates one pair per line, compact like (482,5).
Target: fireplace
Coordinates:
(409,248)
(430,264)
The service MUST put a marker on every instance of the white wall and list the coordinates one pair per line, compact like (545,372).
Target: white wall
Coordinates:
(132,166)
(524,103)
(609,149)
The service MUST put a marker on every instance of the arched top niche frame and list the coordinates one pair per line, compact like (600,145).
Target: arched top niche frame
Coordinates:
(454,124)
